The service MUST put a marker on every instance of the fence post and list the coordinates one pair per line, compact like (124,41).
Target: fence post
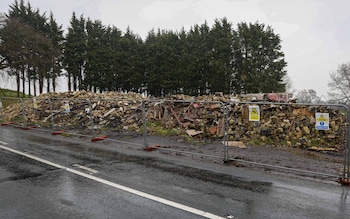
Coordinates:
(51,115)
(144,118)
(347,147)
(226,156)
(1,119)
(91,119)
(23,114)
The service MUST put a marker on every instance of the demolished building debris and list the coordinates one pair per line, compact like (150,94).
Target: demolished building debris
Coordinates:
(199,117)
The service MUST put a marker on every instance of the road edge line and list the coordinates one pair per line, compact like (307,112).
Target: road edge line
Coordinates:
(118,186)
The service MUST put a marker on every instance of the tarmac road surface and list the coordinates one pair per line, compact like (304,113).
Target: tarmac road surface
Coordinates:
(44,176)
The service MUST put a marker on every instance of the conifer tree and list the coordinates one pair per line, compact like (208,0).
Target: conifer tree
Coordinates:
(258,62)
(75,52)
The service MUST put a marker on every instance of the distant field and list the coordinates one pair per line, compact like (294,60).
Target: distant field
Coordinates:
(7,97)
(7,93)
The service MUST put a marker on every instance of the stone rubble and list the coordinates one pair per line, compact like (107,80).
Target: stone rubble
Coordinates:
(198,117)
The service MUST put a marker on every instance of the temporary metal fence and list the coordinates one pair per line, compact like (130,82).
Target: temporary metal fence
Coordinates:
(278,126)
(17,113)
(196,128)
(201,125)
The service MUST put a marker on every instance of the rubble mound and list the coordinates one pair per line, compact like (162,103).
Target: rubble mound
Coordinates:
(205,117)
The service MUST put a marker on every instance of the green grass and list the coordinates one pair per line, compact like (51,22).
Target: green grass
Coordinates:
(8,97)
(257,141)
(159,129)
(8,93)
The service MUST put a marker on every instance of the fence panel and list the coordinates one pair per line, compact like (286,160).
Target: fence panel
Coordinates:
(67,115)
(300,134)
(38,112)
(12,112)
(192,127)
(118,119)
(302,137)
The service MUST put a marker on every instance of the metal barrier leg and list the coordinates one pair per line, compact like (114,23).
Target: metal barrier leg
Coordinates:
(91,119)
(226,156)
(144,118)
(1,116)
(23,114)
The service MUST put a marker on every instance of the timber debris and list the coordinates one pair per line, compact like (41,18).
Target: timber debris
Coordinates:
(205,117)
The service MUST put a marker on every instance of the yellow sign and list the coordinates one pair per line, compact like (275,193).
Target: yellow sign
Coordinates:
(254,113)
(322,121)
(35,103)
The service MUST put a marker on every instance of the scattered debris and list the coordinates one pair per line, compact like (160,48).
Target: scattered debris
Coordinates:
(192,132)
(313,148)
(198,117)
(236,144)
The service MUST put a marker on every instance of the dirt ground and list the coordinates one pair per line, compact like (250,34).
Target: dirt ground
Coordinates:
(280,160)
(277,160)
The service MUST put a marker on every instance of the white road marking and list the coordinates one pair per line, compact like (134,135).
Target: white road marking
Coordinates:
(2,142)
(118,186)
(85,168)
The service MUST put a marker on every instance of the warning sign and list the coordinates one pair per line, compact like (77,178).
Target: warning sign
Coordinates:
(35,103)
(322,121)
(66,107)
(254,113)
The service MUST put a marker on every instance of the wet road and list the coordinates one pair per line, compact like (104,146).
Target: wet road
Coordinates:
(44,176)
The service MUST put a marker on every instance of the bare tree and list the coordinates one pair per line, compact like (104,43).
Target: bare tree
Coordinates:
(2,25)
(289,84)
(340,84)
(307,96)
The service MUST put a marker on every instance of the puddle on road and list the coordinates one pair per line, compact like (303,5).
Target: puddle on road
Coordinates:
(25,176)
(97,155)
(205,175)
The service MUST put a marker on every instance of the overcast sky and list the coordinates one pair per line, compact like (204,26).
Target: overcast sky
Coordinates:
(315,33)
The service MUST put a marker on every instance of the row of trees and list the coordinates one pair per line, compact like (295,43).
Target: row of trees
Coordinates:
(203,60)
(200,61)
(31,47)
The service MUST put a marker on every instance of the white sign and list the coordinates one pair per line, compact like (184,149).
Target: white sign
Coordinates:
(66,107)
(35,103)
(322,121)
(254,113)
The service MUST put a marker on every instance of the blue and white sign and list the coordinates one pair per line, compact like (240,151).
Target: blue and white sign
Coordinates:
(66,107)
(322,121)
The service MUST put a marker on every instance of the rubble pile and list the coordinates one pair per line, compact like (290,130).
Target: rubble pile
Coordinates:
(198,117)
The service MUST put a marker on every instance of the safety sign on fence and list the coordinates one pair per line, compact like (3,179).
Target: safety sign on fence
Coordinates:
(322,121)
(254,113)
(35,103)
(66,107)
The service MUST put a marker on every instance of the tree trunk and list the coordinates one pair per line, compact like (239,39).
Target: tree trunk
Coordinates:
(75,79)
(29,86)
(23,82)
(41,84)
(54,84)
(48,85)
(18,82)
(34,85)
(69,82)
